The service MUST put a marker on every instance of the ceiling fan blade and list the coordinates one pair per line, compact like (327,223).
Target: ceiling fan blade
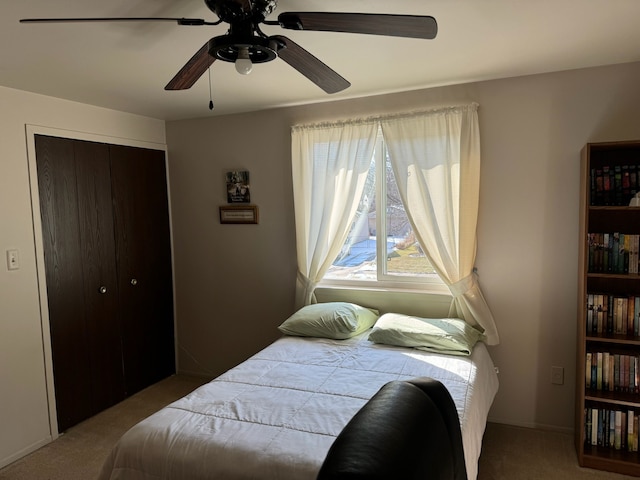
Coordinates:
(309,66)
(192,70)
(411,26)
(179,21)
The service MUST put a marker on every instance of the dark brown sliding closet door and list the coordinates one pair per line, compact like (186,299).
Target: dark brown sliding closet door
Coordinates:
(105,224)
(99,272)
(77,223)
(144,264)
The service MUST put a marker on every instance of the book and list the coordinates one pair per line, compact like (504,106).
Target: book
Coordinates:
(597,175)
(599,370)
(624,374)
(631,315)
(599,305)
(615,252)
(611,373)
(606,253)
(633,179)
(633,253)
(605,371)
(618,430)
(626,184)
(589,313)
(637,315)
(623,430)
(624,254)
(617,185)
(617,315)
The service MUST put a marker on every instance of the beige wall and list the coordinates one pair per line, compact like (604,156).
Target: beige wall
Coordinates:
(234,283)
(24,414)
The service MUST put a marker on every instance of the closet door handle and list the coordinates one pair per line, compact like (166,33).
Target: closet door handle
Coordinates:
(103,289)
(134,281)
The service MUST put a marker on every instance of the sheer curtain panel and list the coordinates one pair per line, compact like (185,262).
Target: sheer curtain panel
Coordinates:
(435,157)
(329,168)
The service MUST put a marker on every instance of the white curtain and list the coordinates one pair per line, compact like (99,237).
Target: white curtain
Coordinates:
(435,158)
(329,168)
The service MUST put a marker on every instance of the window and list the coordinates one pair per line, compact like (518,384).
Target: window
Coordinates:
(438,153)
(388,236)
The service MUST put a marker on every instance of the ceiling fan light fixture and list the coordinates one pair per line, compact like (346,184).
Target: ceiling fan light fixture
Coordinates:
(243,62)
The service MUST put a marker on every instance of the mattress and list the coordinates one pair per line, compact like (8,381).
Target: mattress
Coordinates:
(275,415)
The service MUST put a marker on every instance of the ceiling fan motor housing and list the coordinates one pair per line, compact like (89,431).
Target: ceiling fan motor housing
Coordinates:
(243,17)
(261,50)
(237,10)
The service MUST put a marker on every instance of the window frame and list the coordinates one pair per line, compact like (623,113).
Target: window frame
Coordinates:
(384,280)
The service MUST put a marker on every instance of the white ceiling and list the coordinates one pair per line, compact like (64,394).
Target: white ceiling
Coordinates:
(125,66)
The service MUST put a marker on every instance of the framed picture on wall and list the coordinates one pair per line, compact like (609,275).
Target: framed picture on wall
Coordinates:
(239,214)
(238,189)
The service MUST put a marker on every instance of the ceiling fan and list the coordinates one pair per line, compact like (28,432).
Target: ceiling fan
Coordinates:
(245,44)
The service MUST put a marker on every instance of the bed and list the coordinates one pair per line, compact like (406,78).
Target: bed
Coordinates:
(276,415)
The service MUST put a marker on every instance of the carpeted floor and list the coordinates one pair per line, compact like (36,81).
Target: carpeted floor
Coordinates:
(515,453)
(508,453)
(79,453)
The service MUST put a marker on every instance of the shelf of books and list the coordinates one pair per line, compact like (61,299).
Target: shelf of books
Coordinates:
(608,353)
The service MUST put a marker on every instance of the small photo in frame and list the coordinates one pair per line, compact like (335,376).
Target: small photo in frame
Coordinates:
(238,189)
(239,214)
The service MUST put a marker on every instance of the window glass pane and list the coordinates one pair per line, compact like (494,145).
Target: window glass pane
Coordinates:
(404,255)
(404,259)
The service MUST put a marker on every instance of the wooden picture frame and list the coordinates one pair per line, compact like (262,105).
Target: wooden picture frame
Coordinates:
(239,214)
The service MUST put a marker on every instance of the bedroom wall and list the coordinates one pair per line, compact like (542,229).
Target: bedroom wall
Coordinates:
(24,415)
(234,283)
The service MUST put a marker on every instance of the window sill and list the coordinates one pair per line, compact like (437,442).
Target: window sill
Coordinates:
(423,302)
(428,289)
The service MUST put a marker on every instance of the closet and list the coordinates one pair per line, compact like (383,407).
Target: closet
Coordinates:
(107,251)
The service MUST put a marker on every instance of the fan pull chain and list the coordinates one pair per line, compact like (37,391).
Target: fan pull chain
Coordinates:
(210,98)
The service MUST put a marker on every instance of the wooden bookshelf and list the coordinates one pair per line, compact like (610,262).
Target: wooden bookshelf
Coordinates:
(608,351)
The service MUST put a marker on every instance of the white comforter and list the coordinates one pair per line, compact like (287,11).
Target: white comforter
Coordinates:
(275,415)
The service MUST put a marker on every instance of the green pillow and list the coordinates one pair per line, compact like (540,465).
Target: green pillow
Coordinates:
(440,335)
(337,320)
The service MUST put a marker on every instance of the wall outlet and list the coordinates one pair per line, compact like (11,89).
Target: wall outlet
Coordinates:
(557,375)
(13,260)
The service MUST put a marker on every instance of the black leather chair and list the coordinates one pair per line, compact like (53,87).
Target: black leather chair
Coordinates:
(407,430)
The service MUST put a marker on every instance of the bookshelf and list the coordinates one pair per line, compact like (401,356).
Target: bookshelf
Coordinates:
(608,351)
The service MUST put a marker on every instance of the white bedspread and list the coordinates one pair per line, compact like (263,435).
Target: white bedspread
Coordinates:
(275,415)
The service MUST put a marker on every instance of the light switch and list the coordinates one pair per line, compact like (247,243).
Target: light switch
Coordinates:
(13,260)
(557,375)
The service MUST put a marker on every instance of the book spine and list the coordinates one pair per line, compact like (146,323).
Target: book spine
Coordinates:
(617,185)
(589,313)
(637,315)
(599,370)
(615,251)
(599,187)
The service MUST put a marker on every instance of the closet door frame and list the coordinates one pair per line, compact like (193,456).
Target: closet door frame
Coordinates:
(31,132)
